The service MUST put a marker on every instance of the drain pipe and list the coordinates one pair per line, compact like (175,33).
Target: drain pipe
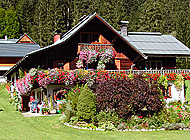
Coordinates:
(132,66)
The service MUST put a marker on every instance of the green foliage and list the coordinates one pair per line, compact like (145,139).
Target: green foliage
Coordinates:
(86,107)
(104,116)
(62,107)
(108,126)
(40,18)
(74,120)
(15,100)
(45,110)
(174,126)
(73,96)
(151,16)
(183,63)
(68,112)
(187,89)
(121,126)
(9,23)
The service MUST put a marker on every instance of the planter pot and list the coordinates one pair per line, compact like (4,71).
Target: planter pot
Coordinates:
(52,111)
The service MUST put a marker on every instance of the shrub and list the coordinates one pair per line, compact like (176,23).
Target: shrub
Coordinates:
(104,116)
(121,126)
(73,96)
(62,107)
(174,126)
(108,126)
(86,107)
(68,112)
(129,96)
(74,120)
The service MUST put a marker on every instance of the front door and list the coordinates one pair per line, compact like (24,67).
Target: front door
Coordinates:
(25,101)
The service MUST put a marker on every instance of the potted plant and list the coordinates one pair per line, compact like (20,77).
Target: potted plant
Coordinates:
(46,111)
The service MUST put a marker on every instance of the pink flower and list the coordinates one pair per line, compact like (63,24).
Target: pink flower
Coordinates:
(180,115)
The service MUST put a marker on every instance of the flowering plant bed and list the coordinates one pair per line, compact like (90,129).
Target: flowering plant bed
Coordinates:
(68,77)
(130,130)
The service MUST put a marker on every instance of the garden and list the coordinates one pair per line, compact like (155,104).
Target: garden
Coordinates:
(127,102)
(14,126)
(111,101)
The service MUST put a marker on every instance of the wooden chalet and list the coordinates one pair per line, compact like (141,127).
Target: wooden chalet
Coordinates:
(133,50)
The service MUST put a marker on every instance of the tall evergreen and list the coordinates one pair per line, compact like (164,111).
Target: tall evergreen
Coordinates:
(39,23)
(151,16)
(9,24)
(183,22)
(41,18)
(25,11)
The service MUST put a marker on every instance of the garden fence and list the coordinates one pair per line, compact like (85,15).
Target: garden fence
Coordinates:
(162,72)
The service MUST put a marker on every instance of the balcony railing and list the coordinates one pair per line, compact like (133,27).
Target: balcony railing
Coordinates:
(162,72)
(96,47)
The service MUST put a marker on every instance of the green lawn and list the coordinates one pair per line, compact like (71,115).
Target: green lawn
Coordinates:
(14,126)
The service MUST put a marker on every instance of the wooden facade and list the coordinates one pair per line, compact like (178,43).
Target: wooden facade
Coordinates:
(25,39)
(121,61)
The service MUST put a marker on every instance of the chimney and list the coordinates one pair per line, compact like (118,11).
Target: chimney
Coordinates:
(57,35)
(5,37)
(123,25)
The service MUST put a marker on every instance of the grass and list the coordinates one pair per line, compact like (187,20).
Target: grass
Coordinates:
(14,126)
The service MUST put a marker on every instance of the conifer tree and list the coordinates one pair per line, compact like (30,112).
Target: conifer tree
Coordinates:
(86,106)
(9,23)
(151,16)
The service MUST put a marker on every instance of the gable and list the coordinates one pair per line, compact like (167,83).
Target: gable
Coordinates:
(25,39)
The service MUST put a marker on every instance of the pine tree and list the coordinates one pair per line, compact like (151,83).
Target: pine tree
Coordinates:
(2,22)
(151,16)
(10,24)
(86,106)
(183,22)
(39,21)
(25,11)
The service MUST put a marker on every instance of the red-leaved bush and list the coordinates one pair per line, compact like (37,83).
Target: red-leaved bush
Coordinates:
(129,96)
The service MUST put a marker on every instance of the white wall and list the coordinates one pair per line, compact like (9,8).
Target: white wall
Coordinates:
(176,95)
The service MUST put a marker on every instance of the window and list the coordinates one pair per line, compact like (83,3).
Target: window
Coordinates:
(153,65)
(166,91)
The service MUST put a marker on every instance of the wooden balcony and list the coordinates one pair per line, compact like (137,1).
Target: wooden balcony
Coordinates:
(96,47)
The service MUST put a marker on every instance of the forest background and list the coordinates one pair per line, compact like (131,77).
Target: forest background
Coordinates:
(41,18)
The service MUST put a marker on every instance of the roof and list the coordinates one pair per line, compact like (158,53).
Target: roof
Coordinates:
(17,49)
(8,41)
(154,44)
(27,36)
